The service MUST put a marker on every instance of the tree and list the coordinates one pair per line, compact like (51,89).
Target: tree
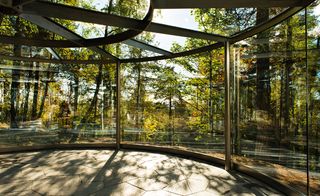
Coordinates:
(14,101)
(167,89)
(262,65)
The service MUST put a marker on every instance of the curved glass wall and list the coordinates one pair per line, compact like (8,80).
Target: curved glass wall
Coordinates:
(44,104)
(171,103)
(177,103)
(274,97)
(313,57)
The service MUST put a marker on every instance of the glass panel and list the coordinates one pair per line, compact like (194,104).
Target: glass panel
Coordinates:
(175,103)
(270,120)
(215,20)
(19,27)
(43,104)
(176,17)
(127,8)
(314,103)
(128,51)
(85,30)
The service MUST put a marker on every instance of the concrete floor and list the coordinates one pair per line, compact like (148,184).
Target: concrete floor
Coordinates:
(107,172)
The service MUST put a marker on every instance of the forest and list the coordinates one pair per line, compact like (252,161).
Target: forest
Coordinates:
(177,102)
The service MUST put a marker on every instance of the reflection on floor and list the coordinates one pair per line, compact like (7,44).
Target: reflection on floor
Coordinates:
(107,172)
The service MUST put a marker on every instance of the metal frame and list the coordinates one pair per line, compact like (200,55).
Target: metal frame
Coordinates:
(64,32)
(39,12)
(118,94)
(52,10)
(35,11)
(227,107)
(128,34)
(145,46)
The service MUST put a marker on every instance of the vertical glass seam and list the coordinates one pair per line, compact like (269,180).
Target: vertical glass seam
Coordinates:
(118,129)
(307,98)
(227,122)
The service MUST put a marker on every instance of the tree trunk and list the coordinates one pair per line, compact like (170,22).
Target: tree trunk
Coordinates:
(14,100)
(281,104)
(210,97)
(138,98)
(76,94)
(288,64)
(263,90)
(1,18)
(95,96)
(237,103)
(86,118)
(95,105)
(170,120)
(45,93)
(26,99)
(35,93)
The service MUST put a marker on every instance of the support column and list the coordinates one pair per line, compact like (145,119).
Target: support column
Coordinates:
(118,129)
(227,116)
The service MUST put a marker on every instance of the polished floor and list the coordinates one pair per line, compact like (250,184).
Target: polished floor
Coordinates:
(107,172)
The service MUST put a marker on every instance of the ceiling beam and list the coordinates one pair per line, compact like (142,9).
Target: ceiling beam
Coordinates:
(199,51)
(268,24)
(177,31)
(53,10)
(54,53)
(189,4)
(144,46)
(64,32)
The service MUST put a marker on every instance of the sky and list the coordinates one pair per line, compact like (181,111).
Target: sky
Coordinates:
(169,17)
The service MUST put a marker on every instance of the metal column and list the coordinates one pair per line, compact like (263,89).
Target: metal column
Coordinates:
(227,116)
(118,129)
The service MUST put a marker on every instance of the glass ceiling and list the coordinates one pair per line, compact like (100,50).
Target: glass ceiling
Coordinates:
(162,28)
(126,8)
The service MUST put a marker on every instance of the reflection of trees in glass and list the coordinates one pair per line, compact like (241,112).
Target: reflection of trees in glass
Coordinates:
(14,101)
(273,98)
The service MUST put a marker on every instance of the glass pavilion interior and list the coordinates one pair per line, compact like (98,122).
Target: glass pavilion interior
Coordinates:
(234,83)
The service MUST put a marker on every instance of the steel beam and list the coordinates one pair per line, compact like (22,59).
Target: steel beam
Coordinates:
(177,31)
(189,4)
(268,24)
(145,46)
(175,55)
(116,38)
(227,107)
(233,39)
(64,32)
(54,53)
(52,10)
(108,61)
